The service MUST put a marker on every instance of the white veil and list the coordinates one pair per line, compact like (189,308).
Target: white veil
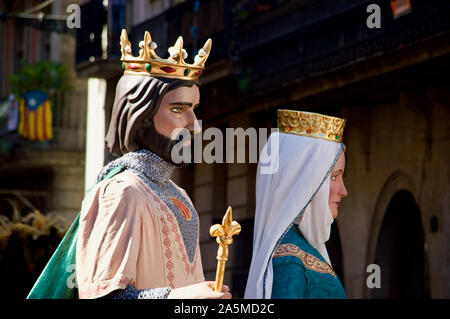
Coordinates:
(300,187)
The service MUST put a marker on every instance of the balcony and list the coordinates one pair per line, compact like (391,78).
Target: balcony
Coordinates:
(296,42)
(47,177)
(97,50)
(213,20)
(69,134)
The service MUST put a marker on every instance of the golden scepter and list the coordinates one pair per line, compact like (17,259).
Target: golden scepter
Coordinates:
(224,234)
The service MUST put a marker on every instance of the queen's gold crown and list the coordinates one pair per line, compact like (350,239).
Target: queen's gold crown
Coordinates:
(149,63)
(311,125)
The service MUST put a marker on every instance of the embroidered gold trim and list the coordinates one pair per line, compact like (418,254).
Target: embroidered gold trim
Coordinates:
(310,261)
(309,124)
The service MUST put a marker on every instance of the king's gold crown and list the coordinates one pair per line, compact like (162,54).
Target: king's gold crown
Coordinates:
(149,63)
(309,124)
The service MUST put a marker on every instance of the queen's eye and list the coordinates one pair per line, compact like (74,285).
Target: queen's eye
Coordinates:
(334,177)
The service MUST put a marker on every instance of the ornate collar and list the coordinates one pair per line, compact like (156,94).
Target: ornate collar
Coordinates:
(144,161)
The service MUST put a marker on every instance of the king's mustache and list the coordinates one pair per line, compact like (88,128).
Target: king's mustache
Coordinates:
(183,135)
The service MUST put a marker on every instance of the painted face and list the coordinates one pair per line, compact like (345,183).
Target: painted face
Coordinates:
(337,187)
(176,112)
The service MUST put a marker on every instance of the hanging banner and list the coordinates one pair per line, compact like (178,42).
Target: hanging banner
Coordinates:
(400,7)
(13,113)
(35,116)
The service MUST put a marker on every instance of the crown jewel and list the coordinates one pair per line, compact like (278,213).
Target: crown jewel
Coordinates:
(311,125)
(149,63)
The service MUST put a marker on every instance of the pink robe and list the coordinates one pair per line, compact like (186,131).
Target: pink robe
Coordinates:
(128,235)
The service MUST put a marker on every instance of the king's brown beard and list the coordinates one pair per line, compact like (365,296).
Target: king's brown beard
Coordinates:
(149,138)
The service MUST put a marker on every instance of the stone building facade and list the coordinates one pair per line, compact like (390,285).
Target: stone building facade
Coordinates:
(397,108)
(57,166)
(390,84)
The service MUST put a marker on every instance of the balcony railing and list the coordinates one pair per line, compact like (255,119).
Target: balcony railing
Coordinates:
(69,120)
(68,126)
(328,35)
(213,19)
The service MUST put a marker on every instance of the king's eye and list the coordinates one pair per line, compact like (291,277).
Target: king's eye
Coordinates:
(333,178)
(177,109)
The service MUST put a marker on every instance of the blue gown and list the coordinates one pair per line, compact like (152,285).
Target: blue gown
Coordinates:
(300,271)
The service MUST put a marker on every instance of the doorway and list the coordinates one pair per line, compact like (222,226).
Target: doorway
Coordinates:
(400,251)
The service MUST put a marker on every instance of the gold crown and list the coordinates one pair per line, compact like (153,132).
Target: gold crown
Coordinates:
(149,63)
(311,125)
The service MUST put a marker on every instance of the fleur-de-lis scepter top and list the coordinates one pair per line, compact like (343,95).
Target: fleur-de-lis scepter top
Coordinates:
(224,237)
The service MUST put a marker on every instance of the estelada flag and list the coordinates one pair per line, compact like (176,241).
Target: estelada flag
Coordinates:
(35,116)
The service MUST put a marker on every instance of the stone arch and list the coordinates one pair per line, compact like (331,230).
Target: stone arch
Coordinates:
(397,182)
